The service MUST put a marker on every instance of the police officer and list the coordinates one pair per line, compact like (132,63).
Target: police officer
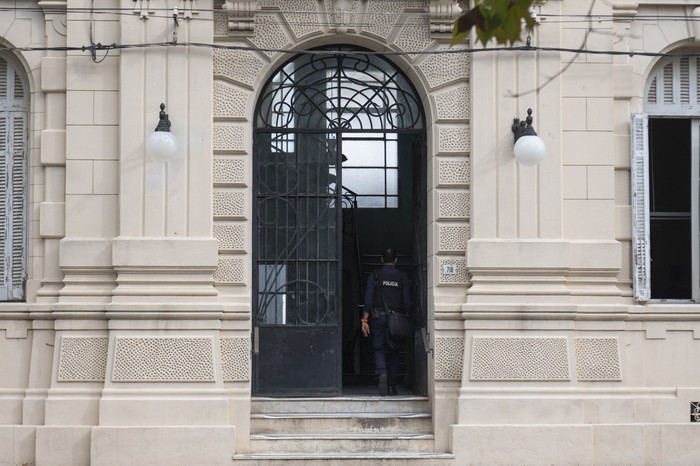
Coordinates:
(389,286)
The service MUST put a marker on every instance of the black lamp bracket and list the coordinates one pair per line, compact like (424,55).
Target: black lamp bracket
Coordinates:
(164,121)
(523,128)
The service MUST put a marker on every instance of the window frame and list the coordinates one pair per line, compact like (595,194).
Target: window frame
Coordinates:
(640,192)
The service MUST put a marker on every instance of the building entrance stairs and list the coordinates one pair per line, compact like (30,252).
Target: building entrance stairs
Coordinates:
(344,431)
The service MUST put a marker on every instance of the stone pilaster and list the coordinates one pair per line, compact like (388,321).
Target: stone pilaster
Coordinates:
(52,210)
(165,251)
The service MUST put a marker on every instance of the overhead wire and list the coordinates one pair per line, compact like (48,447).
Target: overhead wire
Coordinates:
(93,47)
(450,51)
(165,13)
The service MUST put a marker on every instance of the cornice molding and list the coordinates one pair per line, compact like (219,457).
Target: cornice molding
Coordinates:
(54,5)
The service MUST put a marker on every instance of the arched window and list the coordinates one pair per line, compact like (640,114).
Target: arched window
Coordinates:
(666,184)
(14,107)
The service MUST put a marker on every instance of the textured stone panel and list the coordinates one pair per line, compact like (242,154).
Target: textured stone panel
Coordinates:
(453,173)
(458,274)
(301,16)
(235,357)
(453,140)
(229,171)
(449,358)
(444,68)
(453,204)
(161,359)
(231,237)
(454,104)
(228,138)
(269,34)
(382,15)
(520,358)
(229,204)
(220,24)
(83,359)
(597,359)
(237,65)
(229,102)
(414,35)
(453,238)
(230,271)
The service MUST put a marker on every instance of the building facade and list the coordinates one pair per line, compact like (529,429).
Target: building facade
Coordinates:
(150,307)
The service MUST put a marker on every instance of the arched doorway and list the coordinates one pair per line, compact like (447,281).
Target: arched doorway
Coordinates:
(339,173)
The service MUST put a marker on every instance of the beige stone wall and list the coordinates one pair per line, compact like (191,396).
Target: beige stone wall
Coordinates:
(536,339)
(573,360)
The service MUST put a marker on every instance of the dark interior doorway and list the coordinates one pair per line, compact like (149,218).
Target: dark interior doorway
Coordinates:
(369,229)
(339,174)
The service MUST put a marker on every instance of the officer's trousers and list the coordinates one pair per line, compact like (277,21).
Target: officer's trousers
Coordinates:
(382,350)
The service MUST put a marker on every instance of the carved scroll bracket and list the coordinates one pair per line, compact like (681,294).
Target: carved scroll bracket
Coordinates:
(241,15)
(442,15)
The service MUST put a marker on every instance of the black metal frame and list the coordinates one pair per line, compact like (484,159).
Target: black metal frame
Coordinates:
(362,85)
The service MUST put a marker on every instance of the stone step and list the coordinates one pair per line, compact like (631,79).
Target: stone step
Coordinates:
(343,404)
(345,459)
(332,423)
(344,443)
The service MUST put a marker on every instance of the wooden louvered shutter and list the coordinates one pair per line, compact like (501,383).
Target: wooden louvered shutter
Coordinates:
(641,269)
(5,193)
(19,204)
(13,138)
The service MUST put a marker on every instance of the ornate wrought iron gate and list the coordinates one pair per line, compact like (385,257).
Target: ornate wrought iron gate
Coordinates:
(303,113)
(297,266)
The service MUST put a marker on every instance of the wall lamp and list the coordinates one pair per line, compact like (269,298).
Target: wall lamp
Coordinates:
(161,145)
(528,148)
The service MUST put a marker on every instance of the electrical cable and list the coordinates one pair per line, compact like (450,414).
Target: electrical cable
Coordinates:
(93,48)
(451,51)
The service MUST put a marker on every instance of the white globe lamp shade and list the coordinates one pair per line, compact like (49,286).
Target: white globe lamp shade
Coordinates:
(529,150)
(161,146)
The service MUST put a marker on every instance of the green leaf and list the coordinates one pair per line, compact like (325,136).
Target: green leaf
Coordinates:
(501,20)
(464,24)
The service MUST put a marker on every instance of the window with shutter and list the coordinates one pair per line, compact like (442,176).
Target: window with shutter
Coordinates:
(665,180)
(13,181)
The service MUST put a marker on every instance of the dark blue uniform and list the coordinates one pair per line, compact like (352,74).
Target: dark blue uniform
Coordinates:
(396,294)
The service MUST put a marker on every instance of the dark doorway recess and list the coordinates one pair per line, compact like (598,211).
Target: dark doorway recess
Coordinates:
(339,174)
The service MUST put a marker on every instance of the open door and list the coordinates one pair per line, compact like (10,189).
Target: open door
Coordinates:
(297,268)
(419,270)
